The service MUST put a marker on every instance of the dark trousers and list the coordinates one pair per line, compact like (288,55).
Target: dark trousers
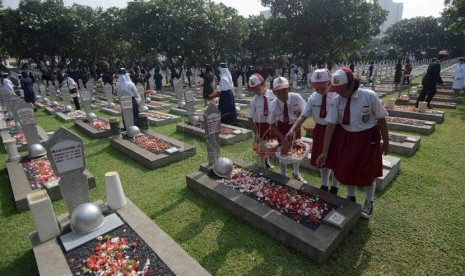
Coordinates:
(427,94)
(76,103)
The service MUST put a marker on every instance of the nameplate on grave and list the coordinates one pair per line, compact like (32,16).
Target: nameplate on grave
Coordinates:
(85,95)
(126,102)
(213,124)
(26,116)
(189,97)
(335,218)
(67,156)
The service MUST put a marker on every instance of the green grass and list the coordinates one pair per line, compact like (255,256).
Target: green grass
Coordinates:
(417,227)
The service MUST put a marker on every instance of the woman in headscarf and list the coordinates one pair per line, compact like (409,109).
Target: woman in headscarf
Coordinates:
(226,105)
(125,84)
(207,83)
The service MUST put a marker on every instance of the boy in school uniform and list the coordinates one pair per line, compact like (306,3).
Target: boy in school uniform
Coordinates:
(259,111)
(284,111)
(362,118)
(317,106)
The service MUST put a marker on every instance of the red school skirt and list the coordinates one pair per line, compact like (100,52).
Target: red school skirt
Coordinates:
(284,128)
(317,146)
(264,131)
(359,158)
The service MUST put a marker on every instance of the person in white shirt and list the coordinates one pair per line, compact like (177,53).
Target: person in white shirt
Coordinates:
(284,111)
(7,83)
(317,106)
(258,114)
(226,104)
(459,74)
(125,84)
(73,90)
(357,144)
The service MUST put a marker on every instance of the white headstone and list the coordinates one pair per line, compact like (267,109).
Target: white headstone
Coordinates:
(126,108)
(212,120)
(141,92)
(65,95)
(65,151)
(27,120)
(108,90)
(86,100)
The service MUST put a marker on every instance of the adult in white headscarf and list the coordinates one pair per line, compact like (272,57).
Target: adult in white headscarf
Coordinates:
(459,74)
(125,84)
(226,105)
(293,74)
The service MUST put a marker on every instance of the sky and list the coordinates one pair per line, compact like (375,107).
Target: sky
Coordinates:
(412,8)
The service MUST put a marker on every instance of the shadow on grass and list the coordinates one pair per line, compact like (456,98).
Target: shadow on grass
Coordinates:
(7,200)
(24,263)
(458,113)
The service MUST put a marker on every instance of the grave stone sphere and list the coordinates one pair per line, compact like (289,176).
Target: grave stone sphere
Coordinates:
(182,105)
(223,167)
(148,100)
(54,103)
(112,105)
(68,108)
(241,96)
(133,131)
(36,150)
(86,218)
(91,117)
(92,99)
(195,120)
(144,109)
(238,109)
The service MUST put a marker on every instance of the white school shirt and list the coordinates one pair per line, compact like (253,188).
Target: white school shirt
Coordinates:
(313,106)
(256,107)
(8,85)
(458,77)
(365,110)
(295,105)
(71,83)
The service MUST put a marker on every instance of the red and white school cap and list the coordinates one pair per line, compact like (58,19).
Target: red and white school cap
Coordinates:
(280,83)
(340,79)
(320,78)
(254,81)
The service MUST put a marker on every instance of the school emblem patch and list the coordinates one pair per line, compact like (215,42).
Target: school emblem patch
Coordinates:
(366,118)
(336,81)
(318,76)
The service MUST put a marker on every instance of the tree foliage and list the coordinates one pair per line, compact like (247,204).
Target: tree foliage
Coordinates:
(324,27)
(422,34)
(455,12)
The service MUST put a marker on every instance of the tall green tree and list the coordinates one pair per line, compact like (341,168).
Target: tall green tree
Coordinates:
(422,34)
(324,28)
(455,11)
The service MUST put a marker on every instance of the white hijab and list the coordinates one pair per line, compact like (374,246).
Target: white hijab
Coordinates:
(124,83)
(226,75)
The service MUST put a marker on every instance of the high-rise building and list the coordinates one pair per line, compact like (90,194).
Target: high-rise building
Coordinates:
(395,11)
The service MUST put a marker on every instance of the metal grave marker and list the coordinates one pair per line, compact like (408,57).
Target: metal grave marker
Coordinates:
(126,108)
(43,91)
(190,107)
(65,95)
(66,154)
(141,92)
(25,113)
(53,93)
(212,120)
(178,92)
(108,90)
(86,100)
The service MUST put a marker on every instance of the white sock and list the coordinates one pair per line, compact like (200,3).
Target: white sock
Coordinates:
(267,160)
(296,168)
(282,166)
(351,190)
(324,177)
(335,183)
(370,192)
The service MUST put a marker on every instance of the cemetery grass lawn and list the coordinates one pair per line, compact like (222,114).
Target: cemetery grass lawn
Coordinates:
(417,227)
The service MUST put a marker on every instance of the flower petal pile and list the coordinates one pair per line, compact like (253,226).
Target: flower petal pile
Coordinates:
(19,136)
(39,172)
(151,143)
(410,109)
(100,124)
(406,121)
(306,209)
(397,138)
(158,115)
(223,131)
(110,258)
